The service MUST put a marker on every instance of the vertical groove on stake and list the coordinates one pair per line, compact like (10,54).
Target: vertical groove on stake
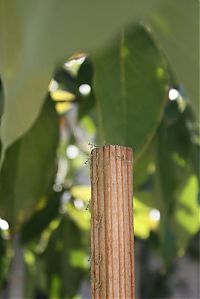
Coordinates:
(112,250)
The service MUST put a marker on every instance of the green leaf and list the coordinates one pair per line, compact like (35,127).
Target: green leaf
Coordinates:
(40,220)
(80,214)
(28,167)
(66,260)
(37,35)
(34,38)
(2,258)
(175,190)
(130,87)
(143,170)
(165,184)
(175,26)
(182,138)
(1,103)
(5,260)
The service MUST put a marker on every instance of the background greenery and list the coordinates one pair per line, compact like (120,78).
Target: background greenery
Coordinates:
(75,76)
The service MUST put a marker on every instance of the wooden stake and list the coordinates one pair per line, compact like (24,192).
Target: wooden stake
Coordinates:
(112,251)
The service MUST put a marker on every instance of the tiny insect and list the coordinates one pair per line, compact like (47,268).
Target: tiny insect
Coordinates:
(88,206)
(87,161)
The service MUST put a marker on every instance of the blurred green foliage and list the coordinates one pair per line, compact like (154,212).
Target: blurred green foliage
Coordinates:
(29,167)
(44,179)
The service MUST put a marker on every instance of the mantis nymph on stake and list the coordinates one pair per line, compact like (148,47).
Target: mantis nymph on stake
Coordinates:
(112,248)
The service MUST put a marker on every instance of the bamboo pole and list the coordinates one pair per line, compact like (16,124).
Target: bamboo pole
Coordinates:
(112,251)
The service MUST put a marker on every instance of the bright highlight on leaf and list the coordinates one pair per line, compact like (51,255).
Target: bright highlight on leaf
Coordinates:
(63,107)
(79,204)
(154,214)
(62,95)
(80,217)
(4,224)
(78,258)
(173,94)
(81,191)
(29,257)
(53,86)
(145,219)
(72,151)
(85,89)
(187,212)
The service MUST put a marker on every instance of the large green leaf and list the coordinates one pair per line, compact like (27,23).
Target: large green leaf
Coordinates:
(130,87)
(175,185)
(28,167)
(165,185)
(37,35)
(176,27)
(34,38)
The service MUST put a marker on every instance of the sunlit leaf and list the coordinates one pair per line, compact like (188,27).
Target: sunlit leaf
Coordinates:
(144,222)
(63,107)
(187,214)
(80,216)
(81,191)
(62,95)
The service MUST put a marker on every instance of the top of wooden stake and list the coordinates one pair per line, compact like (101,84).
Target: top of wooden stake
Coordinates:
(113,147)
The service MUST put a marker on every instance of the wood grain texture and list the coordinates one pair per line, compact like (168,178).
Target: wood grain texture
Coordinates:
(112,247)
